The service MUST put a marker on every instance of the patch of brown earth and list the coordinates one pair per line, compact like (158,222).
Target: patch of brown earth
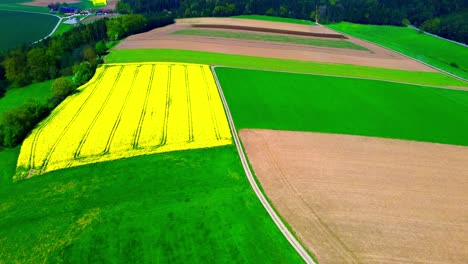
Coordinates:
(374,57)
(354,199)
(48,2)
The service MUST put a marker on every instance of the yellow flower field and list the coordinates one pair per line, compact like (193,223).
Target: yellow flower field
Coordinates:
(128,110)
(99,2)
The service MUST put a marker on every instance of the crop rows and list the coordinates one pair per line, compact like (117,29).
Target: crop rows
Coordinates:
(129,110)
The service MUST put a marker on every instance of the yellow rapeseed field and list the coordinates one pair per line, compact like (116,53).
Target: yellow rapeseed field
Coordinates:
(128,110)
(99,2)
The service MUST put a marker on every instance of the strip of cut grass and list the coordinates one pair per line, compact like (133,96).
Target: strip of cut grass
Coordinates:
(298,102)
(180,207)
(437,52)
(277,19)
(19,27)
(339,43)
(63,28)
(142,55)
(17,96)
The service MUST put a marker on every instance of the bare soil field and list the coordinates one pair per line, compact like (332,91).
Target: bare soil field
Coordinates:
(353,199)
(375,56)
(48,2)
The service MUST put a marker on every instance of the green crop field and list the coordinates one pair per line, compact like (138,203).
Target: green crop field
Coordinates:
(19,27)
(437,52)
(277,19)
(16,96)
(260,99)
(330,43)
(141,55)
(179,207)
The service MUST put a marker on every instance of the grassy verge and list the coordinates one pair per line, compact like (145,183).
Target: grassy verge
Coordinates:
(17,96)
(339,43)
(437,52)
(63,28)
(19,27)
(277,19)
(260,99)
(193,206)
(141,55)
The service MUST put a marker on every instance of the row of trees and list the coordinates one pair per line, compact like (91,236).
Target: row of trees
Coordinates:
(451,13)
(76,52)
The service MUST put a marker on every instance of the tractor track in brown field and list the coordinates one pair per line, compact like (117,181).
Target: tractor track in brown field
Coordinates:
(367,200)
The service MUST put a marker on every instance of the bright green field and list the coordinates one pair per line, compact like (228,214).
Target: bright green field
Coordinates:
(277,19)
(260,99)
(17,96)
(423,78)
(17,28)
(339,43)
(181,207)
(437,52)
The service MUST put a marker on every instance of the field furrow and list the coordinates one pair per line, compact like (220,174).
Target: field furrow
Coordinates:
(152,131)
(205,128)
(122,110)
(136,138)
(177,122)
(128,125)
(72,137)
(101,101)
(128,110)
(99,135)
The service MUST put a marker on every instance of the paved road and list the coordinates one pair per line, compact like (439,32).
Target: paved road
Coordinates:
(297,246)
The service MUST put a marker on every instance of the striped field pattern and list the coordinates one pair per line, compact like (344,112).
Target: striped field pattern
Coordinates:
(128,110)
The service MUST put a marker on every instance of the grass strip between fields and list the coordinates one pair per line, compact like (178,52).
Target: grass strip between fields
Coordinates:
(277,19)
(318,42)
(434,51)
(346,70)
(301,102)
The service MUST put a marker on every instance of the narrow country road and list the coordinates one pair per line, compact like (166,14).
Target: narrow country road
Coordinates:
(297,246)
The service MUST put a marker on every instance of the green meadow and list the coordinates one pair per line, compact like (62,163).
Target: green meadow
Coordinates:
(21,28)
(300,102)
(422,78)
(181,207)
(437,52)
(17,96)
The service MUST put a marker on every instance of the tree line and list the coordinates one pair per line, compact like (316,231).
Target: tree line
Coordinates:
(76,53)
(446,18)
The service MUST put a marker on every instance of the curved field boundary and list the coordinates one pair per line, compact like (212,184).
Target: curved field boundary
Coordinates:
(64,131)
(93,122)
(38,133)
(30,12)
(274,216)
(122,109)
(212,111)
(136,139)
(402,54)
(271,30)
(166,108)
(189,105)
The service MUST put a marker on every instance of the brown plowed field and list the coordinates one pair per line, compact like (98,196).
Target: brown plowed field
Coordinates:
(48,2)
(375,56)
(271,30)
(354,199)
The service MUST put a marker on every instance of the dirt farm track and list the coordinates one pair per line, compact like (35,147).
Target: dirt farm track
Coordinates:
(375,56)
(354,199)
